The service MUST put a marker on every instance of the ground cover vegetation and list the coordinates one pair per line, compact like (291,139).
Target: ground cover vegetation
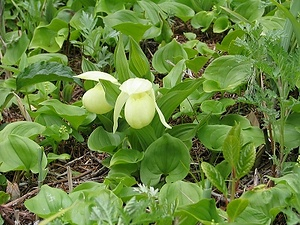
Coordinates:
(149,112)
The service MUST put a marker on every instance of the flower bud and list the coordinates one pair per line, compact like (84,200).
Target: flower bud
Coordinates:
(94,100)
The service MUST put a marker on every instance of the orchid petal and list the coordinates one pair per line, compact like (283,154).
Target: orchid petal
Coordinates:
(97,75)
(136,86)
(160,114)
(121,100)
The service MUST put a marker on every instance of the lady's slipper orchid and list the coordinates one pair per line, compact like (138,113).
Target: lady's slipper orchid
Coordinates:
(94,99)
(138,97)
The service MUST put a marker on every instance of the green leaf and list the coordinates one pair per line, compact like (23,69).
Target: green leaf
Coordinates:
(152,11)
(15,50)
(21,153)
(50,37)
(138,62)
(235,208)
(22,128)
(221,24)
(264,204)
(121,63)
(246,160)
(102,141)
(4,197)
(141,138)
(45,71)
(204,211)
(229,39)
(181,192)
(175,75)
(226,73)
(166,156)
(203,19)
(112,91)
(213,136)
(74,114)
(126,156)
(50,57)
(232,146)
(166,57)
(214,177)
(48,201)
(172,99)
(251,9)
(106,209)
(215,106)
(128,22)
(177,9)
(197,63)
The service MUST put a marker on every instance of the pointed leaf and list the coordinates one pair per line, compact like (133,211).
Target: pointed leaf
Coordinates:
(246,160)
(171,100)
(214,177)
(45,71)
(121,63)
(175,75)
(236,207)
(232,146)
(138,62)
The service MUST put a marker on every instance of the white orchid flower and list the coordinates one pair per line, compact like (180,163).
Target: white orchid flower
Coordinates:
(94,99)
(138,97)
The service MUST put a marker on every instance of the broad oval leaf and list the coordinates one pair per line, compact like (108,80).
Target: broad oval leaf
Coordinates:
(178,9)
(181,192)
(74,114)
(204,211)
(45,71)
(51,36)
(22,128)
(215,177)
(102,141)
(126,156)
(167,156)
(15,50)
(226,73)
(128,22)
(167,56)
(48,201)
(203,19)
(21,153)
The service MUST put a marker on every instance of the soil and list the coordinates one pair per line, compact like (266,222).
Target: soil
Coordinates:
(87,165)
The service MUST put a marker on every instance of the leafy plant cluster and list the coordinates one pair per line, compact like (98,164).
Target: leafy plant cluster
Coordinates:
(129,116)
